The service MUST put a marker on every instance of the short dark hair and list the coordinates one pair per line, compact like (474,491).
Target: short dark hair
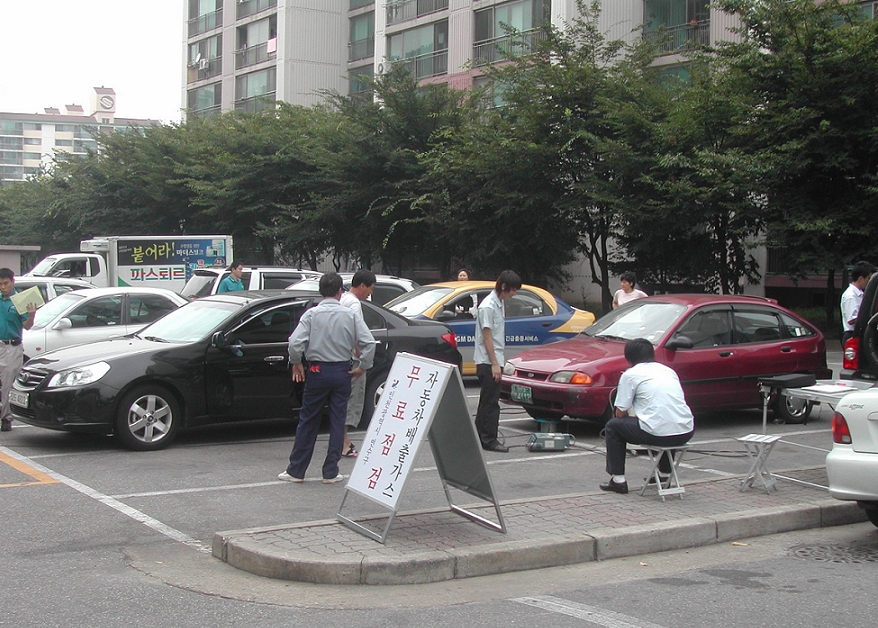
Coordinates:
(235,265)
(6,273)
(330,284)
(861,269)
(508,280)
(639,350)
(628,276)
(363,277)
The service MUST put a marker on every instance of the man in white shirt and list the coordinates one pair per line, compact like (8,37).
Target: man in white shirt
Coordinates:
(852,297)
(362,285)
(488,356)
(650,410)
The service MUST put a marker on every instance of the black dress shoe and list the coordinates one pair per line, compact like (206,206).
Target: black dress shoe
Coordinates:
(496,446)
(6,425)
(650,481)
(615,487)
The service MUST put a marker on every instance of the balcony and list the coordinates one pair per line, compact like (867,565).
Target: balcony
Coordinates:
(362,49)
(674,39)
(207,112)
(256,103)
(426,65)
(403,10)
(206,22)
(249,7)
(204,69)
(256,54)
(498,49)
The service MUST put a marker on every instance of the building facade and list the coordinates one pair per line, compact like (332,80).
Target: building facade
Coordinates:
(28,141)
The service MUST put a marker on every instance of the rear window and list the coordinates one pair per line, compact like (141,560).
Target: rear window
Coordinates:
(199,285)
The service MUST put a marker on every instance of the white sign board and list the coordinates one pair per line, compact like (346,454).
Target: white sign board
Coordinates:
(401,421)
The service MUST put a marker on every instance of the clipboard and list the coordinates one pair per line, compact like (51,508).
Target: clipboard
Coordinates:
(30,296)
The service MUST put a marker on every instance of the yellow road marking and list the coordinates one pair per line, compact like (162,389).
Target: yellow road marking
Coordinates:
(38,476)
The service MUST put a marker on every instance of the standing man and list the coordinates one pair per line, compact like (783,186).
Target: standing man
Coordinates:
(852,297)
(328,335)
(490,344)
(11,351)
(650,410)
(362,286)
(233,282)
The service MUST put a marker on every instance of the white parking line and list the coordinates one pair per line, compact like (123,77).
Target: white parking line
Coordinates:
(592,614)
(126,510)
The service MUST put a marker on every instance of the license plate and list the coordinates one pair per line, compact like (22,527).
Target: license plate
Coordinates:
(523,394)
(18,398)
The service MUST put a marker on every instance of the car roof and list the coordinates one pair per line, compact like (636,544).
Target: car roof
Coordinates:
(707,299)
(97,292)
(217,270)
(67,281)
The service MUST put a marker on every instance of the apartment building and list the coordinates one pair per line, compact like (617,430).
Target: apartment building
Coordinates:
(292,50)
(28,141)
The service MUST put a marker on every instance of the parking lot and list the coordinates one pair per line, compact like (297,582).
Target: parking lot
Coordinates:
(224,477)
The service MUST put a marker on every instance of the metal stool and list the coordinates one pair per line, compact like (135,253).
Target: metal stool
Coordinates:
(758,448)
(672,485)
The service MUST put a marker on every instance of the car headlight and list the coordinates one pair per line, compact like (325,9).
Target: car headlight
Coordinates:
(508,369)
(571,377)
(79,376)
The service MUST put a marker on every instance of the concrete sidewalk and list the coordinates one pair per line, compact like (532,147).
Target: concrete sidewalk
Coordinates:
(436,545)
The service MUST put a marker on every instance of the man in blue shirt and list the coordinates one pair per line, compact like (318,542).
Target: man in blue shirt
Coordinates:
(11,351)
(233,282)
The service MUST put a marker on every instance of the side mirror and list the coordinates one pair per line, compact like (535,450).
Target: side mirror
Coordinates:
(219,340)
(445,315)
(64,323)
(679,342)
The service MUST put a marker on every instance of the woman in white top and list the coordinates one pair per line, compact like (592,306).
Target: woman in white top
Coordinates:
(627,292)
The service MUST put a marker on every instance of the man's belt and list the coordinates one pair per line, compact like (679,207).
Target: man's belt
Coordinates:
(12,341)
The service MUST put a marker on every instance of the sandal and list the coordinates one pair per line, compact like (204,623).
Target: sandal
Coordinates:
(351,452)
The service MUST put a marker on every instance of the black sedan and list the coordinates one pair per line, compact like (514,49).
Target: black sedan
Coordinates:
(221,358)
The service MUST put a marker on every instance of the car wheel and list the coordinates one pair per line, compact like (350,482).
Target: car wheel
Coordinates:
(872,513)
(148,419)
(374,388)
(792,410)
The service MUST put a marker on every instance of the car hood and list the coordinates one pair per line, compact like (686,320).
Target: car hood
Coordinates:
(104,350)
(594,356)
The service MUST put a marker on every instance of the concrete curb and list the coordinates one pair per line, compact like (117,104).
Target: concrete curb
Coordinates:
(244,550)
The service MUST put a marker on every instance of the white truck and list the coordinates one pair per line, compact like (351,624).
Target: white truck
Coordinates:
(153,261)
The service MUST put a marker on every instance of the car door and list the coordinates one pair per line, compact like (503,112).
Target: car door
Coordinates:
(278,279)
(763,348)
(459,313)
(529,320)
(708,370)
(251,378)
(95,319)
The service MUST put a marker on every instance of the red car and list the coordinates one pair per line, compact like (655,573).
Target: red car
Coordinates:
(718,345)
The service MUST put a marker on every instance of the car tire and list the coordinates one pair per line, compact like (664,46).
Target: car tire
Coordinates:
(872,513)
(870,342)
(374,388)
(148,418)
(792,410)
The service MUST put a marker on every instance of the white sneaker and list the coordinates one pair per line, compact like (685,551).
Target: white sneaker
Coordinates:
(286,477)
(337,478)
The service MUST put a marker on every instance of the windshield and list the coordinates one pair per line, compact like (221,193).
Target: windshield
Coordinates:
(305,284)
(650,320)
(43,267)
(417,301)
(192,322)
(198,286)
(48,312)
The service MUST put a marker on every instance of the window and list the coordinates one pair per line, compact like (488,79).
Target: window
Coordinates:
(357,80)
(362,38)
(32,141)
(257,42)
(64,128)
(32,156)
(8,157)
(101,312)
(63,142)
(524,304)
(146,308)
(795,328)
(279,281)
(522,16)
(707,328)
(271,326)
(356,4)
(425,48)
(756,326)
(205,50)
(205,98)
(373,319)
(33,126)
(254,90)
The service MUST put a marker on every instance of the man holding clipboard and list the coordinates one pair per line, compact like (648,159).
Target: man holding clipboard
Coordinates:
(12,320)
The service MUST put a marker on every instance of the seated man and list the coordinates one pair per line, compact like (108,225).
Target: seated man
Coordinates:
(660,415)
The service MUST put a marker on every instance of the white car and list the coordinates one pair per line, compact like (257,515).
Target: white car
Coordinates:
(852,465)
(89,315)
(387,287)
(206,281)
(51,287)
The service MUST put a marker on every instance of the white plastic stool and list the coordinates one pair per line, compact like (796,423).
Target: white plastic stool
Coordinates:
(758,448)
(670,486)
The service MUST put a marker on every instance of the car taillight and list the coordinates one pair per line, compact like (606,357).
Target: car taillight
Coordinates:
(840,432)
(851,359)
(450,338)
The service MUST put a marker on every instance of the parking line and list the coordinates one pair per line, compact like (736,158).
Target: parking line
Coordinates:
(38,476)
(591,614)
(126,510)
